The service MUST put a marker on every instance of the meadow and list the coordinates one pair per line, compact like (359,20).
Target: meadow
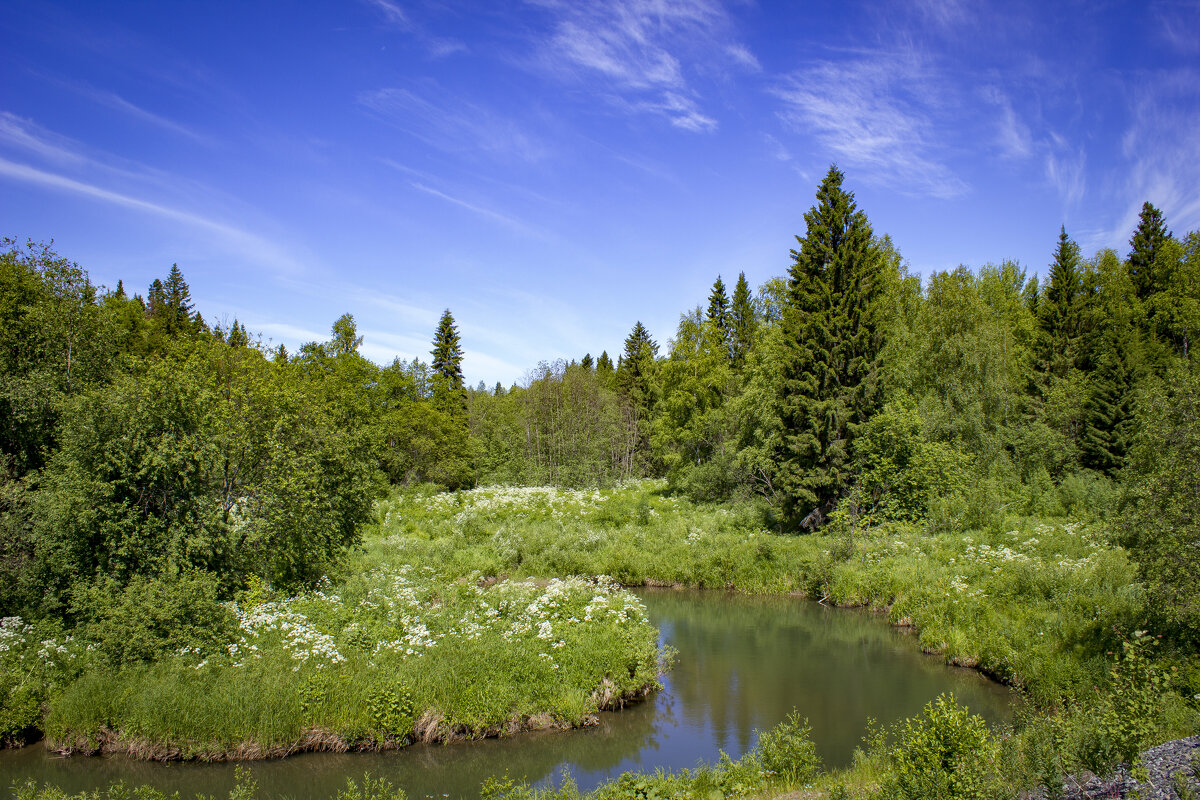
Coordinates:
(436,625)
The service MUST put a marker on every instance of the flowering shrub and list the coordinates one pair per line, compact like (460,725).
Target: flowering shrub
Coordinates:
(33,659)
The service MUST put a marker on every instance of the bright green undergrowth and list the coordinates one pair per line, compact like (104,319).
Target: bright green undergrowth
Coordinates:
(392,653)
(1038,602)
(463,584)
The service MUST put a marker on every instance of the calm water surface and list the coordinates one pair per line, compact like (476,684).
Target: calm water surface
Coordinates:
(744,663)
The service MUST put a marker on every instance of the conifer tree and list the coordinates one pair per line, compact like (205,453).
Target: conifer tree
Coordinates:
(718,305)
(1147,239)
(1109,412)
(447,352)
(448,391)
(635,380)
(744,322)
(1113,348)
(637,363)
(237,335)
(171,304)
(718,319)
(587,363)
(832,339)
(1059,307)
(604,365)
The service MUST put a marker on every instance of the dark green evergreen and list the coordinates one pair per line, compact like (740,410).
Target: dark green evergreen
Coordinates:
(1147,240)
(1109,412)
(832,340)
(604,364)
(743,322)
(718,307)
(447,352)
(1059,308)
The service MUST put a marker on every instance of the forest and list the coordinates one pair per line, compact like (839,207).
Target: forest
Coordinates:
(163,480)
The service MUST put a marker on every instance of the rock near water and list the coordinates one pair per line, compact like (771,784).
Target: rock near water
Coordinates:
(1168,768)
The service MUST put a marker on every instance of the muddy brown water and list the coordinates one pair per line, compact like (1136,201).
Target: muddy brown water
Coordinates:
(744,663)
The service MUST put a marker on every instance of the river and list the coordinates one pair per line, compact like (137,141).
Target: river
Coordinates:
(743,664)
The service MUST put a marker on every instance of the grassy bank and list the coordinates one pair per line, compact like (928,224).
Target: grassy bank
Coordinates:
(391,655)
(436,626)
(1038,602)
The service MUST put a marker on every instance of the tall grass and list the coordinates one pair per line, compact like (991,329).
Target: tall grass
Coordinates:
(389,656)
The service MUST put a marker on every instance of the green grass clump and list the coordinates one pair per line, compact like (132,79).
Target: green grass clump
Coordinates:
(391,655)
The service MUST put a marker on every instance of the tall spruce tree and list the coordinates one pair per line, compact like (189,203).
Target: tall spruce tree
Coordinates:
(447,365)
(718,307)
(1059,309)
(1115,358)
(636,380)
(1147,239)
(832,340)
(604,365)
(447,351)
(743,322)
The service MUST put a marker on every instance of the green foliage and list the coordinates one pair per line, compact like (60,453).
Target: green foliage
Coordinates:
(1130,713)
(447,366)
(245,788)
(945,754)
(788,752)
(150,618)
(392,710)
(1148,238)
(371,789)
(900,470)
(1060,307)
(832,339)
(217,460)
(1163,524)
(744,323)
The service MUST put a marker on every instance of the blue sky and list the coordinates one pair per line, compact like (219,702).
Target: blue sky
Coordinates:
(553,171)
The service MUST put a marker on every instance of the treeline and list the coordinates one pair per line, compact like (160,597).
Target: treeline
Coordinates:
(137,442)
(850,391)
(135,439)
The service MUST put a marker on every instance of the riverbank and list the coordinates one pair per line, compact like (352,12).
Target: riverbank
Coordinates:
(1048,605)
(388,656)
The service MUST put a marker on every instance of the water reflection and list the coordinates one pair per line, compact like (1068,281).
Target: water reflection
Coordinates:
(744,663)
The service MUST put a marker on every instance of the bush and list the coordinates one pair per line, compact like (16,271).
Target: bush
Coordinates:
(153,617)
(1129,715)
(788,751)
(944,754)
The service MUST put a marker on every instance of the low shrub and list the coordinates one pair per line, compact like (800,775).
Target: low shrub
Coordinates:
(787,751)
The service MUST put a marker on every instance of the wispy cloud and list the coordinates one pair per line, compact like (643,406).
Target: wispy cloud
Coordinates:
(681,111)
(27,135)
(452,124)
(639,51)
(250,245)
(1162,151)
(1066,169)
(742,56)
(878,114)
(281,331)
(486,213)
(391,12)
(396,17)
(115,101)
(423,316)
(1178,23)
(1012,134)
(945,14)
